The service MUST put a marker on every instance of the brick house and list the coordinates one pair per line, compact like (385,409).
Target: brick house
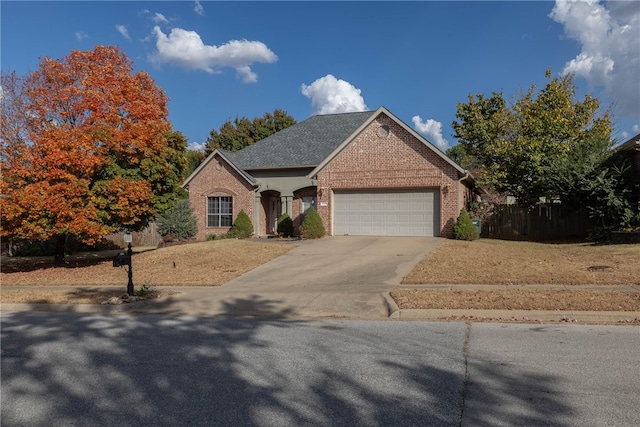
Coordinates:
(366,173)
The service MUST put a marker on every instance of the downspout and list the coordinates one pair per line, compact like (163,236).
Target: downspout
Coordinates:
(467,175)
(256,211)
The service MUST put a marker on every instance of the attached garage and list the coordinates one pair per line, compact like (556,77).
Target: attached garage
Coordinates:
(386,212)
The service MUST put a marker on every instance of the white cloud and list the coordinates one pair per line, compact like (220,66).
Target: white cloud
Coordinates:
(81,35)
(330,95)
(159,18)
(186,49)
(196,146)
(123,30)
(245,73)
(636,128)
(432,130)
(610,42)
(197,8)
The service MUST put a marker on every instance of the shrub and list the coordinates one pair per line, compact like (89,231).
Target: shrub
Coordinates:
(312,227)
(242,227)
(180,222)
(464,229)
(143,291)
(285,226)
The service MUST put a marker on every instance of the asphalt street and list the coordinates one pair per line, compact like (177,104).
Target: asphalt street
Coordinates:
(155,370)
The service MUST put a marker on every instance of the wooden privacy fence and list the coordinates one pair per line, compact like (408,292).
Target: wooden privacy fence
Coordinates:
(146,237)
(540,223)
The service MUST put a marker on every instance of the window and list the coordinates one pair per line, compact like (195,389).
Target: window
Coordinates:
(219,211)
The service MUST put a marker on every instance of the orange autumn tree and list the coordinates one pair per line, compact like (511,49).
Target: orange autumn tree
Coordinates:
(84,148)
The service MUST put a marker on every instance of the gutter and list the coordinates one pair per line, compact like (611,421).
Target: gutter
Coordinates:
(467,176)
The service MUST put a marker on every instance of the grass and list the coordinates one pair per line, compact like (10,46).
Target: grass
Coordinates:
(482,262)
(517,299)
(499,262)
(211,263)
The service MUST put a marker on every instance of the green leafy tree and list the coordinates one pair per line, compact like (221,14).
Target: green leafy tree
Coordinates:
(464,229)
(595,181)
(271,123)
(239,133)
(285,225)
(168,171)
(513,145)
(194,159)
(312,227)
(179,222)
(458,154)
(242,227)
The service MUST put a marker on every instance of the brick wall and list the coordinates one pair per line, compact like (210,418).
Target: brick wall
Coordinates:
(397,160)
(218,178)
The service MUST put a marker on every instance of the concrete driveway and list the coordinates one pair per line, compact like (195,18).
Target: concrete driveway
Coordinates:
(340,276)
(339,264)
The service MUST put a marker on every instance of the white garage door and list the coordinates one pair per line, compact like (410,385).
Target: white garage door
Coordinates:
(386,213)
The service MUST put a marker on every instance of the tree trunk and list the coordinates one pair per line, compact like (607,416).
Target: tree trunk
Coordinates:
(61,241)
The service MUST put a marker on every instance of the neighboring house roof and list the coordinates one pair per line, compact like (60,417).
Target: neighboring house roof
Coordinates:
(312,143)
(305,144)
(631,144)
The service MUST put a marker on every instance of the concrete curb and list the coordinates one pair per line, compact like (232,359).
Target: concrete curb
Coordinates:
(523,316)
(393,312)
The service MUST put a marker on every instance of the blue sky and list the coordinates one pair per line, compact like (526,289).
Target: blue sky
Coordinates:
(219,60)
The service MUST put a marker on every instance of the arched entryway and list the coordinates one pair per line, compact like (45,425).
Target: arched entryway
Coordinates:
(272,209)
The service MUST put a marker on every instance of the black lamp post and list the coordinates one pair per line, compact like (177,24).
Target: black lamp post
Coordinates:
(128,237)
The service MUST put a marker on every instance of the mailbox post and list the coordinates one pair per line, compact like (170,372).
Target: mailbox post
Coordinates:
(128,238)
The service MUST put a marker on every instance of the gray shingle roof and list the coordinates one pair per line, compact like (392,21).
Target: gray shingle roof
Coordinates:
(306,143)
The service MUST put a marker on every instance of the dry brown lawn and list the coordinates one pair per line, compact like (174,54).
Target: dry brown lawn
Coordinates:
(211,263)
(499,262)
(483,262)
(517,299)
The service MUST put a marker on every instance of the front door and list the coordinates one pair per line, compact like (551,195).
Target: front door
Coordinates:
(275,212)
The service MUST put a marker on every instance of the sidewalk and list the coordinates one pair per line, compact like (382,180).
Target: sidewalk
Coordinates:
(227,301)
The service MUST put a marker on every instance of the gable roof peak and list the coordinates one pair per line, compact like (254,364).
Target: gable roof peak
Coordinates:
(370,119)
(225,156)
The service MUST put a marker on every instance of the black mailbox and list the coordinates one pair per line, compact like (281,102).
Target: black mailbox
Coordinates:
(121,259)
